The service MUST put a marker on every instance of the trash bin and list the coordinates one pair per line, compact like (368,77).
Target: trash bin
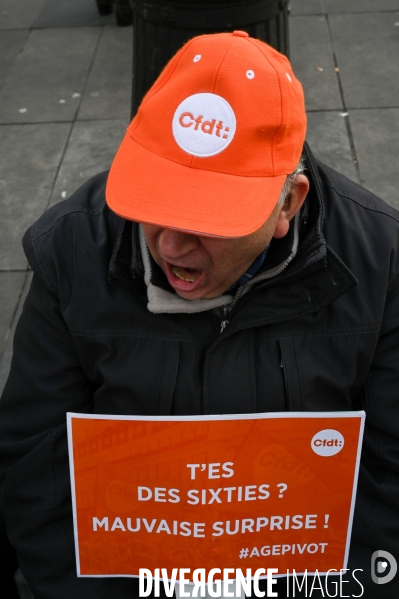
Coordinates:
(121,8)
(161,27)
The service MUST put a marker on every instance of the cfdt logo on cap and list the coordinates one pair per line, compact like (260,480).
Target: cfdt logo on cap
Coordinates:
(327,442)
(204,125)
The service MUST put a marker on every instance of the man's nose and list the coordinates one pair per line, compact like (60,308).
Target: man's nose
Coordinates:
(174,244)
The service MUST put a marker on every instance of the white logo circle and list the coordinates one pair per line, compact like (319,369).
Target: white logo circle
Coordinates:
(204,125)
(327,442)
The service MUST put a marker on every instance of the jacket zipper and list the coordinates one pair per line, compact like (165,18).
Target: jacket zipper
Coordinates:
(269,274)
(225,321)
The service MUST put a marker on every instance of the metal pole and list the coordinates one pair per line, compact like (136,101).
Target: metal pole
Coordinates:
(161,27)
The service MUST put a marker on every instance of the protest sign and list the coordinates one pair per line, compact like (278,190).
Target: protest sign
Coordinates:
(272,490)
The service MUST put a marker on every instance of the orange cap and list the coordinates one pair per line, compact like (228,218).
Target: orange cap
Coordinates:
(213,140)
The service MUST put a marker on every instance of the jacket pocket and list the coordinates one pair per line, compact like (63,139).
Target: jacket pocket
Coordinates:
(291,374)
(168,377)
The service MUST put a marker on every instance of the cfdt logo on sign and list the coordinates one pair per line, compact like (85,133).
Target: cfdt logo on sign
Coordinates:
(204,125)
(327,442)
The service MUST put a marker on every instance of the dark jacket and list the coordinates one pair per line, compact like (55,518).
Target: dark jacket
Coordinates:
(321,335)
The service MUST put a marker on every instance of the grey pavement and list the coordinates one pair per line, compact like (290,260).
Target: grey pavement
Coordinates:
(65,85)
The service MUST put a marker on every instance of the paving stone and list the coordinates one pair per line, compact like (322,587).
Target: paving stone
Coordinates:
(5,363)
(73,13)
(11,43)
(19,14)
(30,158)
(109,87)
(11,284)
(367,49)
(328,138)
(91,149)
(52,67)
(336,6)
(306,7)
(310,52)
(376,133)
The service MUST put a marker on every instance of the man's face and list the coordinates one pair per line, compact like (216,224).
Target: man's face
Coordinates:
(199,267)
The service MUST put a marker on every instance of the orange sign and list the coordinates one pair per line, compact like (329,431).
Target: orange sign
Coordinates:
(245,491)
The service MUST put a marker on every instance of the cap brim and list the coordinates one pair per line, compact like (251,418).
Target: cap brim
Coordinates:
(148,188)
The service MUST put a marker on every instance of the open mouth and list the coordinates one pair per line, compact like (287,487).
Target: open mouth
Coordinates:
(186,274)
(184,279)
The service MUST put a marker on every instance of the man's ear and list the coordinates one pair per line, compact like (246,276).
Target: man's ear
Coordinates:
(292,204)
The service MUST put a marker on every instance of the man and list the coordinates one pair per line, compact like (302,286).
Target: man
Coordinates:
(249,286)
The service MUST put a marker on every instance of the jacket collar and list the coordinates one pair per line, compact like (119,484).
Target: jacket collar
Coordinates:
(323,276)
(126,262)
